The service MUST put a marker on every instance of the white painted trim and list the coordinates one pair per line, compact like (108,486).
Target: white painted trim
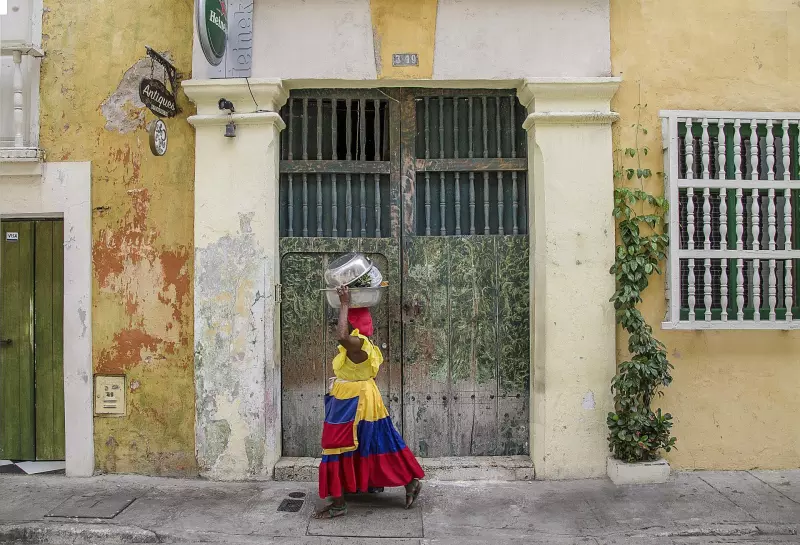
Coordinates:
(271,93)
(292,84)
(20,167)
(569,118)
(255,118)
(64,190)
(602,89)
(751,325)
(247,95)
(714,116)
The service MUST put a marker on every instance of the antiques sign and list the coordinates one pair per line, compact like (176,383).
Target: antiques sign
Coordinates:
(157,98)
(225,36)
(154,93)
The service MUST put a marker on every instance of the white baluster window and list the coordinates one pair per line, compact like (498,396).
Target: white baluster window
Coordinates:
(733,183)
(20,59)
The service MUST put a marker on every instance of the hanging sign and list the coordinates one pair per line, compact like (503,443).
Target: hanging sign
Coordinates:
(157,98)
(154,93)
(158,137)
(212,29)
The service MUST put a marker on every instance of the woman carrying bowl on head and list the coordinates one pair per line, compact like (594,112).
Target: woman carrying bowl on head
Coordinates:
(362,450)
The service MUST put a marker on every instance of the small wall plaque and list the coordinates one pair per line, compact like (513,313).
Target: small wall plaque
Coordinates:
(405,59)
(109,395)
(11,235)
(158,137)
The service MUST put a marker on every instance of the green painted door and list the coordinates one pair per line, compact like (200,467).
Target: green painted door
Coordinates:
(466,359)
(379,171)
(31,340)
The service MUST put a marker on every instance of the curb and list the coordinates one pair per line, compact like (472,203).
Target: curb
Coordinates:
(57,533)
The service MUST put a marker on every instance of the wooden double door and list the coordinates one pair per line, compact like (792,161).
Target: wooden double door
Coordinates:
(31,340)
(432,185)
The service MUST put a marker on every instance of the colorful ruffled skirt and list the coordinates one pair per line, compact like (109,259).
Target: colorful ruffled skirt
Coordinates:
(361,448)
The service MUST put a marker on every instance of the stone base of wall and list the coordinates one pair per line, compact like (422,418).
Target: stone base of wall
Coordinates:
(458,468)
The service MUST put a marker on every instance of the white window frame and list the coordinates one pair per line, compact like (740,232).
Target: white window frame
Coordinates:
(762,242)
(21,154)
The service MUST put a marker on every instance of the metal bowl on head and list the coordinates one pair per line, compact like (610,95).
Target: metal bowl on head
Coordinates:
(346,269)
(359,297)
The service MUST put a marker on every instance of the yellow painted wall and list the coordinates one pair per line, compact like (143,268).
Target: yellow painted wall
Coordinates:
(734,395)
(142,230)
(404,26)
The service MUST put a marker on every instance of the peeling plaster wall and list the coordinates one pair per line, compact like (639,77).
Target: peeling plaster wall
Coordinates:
(142,235)
(236,269)
(734,395)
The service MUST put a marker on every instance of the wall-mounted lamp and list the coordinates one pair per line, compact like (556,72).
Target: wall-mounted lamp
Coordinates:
(230,127)
(230,130)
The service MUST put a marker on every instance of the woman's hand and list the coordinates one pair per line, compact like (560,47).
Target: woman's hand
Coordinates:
(344,295)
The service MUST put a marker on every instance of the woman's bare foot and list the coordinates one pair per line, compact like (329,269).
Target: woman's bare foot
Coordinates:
(412,492)
(330,511)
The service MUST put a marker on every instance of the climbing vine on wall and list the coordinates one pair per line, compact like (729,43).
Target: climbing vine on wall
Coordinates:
(636,432)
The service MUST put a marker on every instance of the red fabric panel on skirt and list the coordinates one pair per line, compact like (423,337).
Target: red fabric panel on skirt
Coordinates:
(337,435)
(350,473)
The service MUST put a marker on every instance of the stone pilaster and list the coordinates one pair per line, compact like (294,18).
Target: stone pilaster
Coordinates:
(571,230)
(236,269)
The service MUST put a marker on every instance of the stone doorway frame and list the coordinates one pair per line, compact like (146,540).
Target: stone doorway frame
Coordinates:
(573,332)
(63,190)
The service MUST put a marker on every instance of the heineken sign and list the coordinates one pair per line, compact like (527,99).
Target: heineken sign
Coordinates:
(212,29)
(157,98)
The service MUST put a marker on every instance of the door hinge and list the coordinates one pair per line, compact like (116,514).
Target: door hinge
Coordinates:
(278,293)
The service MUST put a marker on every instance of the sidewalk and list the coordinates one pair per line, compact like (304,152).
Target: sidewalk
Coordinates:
(708,507)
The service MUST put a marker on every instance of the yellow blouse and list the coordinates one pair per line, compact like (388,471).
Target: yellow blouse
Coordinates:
(345,369)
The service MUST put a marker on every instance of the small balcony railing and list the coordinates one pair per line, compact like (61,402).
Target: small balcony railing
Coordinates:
(21,145)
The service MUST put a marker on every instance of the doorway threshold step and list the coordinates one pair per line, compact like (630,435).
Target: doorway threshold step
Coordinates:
(456,468)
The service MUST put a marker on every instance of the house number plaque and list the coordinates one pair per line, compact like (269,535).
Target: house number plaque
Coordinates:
(405,59)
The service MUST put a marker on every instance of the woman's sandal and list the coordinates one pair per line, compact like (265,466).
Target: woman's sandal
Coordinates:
(331,512)
(413,495)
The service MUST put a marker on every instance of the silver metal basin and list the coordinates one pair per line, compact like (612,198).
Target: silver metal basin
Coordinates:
(359,297)
(346,269)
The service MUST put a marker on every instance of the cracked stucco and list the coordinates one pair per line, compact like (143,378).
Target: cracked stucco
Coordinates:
(123,110)
(139,316)
(230,356)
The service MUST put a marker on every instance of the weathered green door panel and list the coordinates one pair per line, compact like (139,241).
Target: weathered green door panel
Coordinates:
(473,352)
(48,339)
(308,334)
(302,353)
(426,373)
(466,367)
(514,366)
(17,405)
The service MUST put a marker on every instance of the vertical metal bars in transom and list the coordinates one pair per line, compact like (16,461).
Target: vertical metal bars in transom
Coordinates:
(335,165)
(471,164)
